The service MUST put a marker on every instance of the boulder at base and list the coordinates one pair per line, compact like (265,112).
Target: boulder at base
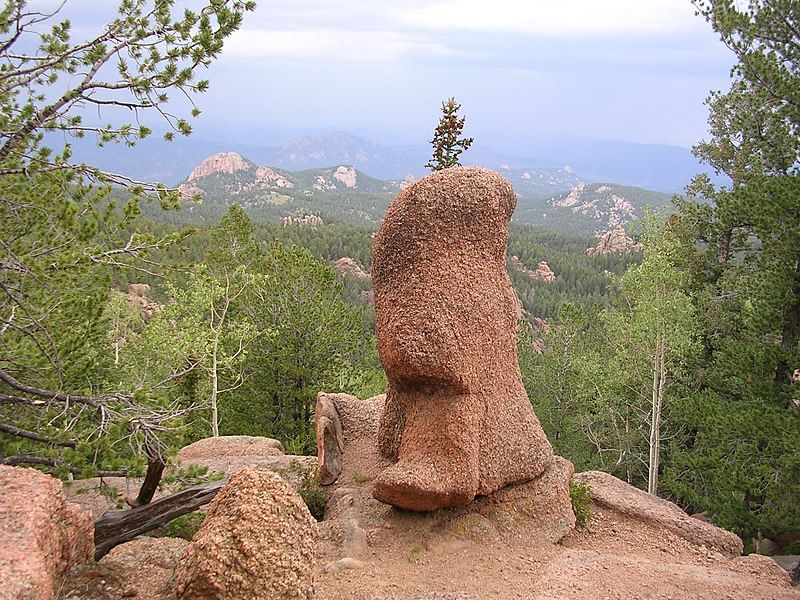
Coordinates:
(610,492)
(258,541)
(41,534)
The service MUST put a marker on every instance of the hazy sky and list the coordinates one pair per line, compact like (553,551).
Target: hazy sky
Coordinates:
(635,70)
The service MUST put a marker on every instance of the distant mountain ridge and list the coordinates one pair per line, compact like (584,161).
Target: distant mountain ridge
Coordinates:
(553,198)
(658,167)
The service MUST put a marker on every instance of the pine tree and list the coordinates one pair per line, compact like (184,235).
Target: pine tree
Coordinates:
(447,145)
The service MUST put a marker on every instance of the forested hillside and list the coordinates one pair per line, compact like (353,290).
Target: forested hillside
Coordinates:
(554,199)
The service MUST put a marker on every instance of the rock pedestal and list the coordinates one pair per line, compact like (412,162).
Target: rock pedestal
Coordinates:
(457,421)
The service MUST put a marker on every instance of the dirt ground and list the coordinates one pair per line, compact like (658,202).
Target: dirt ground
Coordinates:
(368,550)
(613,557)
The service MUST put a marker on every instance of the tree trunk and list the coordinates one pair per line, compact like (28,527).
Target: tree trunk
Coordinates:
(214,391)
(117,527)
(790,331)
(155,468)
(659,374)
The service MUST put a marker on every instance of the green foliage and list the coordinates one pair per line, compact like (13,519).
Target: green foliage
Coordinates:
(66,232)
(447,145)
(186,526)
(181,478)
(314,494)
(581,499)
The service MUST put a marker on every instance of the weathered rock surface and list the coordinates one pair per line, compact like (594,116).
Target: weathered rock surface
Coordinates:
(42,535)
(258,541)
(231,445)
(613,241)
(584,574)
(457,420)
(143,568)
(330,439)
(610,492)
(347,431)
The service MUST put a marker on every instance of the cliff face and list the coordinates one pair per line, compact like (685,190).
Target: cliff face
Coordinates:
(225,162)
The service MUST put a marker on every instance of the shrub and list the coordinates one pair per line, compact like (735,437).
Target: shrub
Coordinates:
(314,494)
(581,502)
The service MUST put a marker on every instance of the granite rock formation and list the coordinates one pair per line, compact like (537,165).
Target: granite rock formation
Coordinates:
(614,241)
(43,536)
(258,541)
(457,419)
(542,272)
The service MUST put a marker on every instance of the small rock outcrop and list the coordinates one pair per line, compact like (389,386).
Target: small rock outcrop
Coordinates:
(610,492)
(258,541)
(543,272)
(348,266)
(312,221)
(613,241)
(269,178)
(224,162)
(347,176)
(43,536)
(228,454)
(457,420)
(139,299)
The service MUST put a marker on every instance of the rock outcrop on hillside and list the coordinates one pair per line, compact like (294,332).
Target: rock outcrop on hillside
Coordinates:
(543,272)
(269,178)
(346,176)
(613,241)
(257,542)
(139,298)
(601,203)
(42,536)
(311,221)
(457,421)
(348,266)
(224,162)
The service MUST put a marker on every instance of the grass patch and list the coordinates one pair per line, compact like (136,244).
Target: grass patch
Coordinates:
(581,502)
(186,526)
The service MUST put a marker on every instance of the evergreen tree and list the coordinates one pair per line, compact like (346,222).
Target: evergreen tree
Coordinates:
(64,233)
(447,143)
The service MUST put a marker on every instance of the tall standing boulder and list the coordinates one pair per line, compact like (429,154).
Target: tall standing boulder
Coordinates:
(258,542)
(42,536)
(457,420)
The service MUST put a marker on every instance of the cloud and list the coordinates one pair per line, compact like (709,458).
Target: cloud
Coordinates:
(567,18)
(331,45)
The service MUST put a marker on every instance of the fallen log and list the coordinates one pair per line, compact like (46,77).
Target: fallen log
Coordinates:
(120,526)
